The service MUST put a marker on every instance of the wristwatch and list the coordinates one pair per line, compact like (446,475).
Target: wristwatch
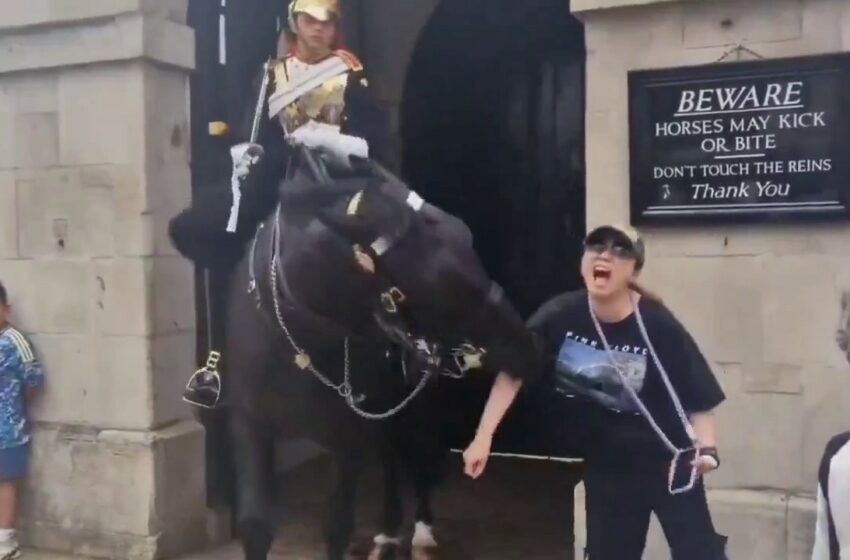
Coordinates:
(710,453)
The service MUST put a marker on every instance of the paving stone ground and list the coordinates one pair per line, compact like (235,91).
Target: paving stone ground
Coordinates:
(518,511)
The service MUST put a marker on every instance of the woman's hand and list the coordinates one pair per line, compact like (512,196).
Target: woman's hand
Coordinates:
(708,460)
(502,395)
(706,431)
(476,455)
(706,465)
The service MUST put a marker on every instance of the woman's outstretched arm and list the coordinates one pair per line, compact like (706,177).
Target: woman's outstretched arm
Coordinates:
(502,395)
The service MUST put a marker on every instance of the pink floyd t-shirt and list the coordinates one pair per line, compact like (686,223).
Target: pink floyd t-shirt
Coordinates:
(579,367)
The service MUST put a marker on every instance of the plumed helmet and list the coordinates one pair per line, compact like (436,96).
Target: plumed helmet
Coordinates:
(322,10)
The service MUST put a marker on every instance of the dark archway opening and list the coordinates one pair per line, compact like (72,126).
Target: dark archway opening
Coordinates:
(493,131)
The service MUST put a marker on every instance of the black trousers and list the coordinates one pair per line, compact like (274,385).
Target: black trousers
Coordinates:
(619,506)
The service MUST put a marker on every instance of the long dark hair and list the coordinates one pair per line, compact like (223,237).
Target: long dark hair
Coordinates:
(643,292)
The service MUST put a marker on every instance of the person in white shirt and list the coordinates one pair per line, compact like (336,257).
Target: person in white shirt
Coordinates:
(832,532)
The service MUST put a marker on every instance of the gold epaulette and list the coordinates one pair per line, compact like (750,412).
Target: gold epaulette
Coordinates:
(350,60)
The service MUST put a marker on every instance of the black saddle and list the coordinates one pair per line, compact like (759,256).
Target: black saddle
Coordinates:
(310,177)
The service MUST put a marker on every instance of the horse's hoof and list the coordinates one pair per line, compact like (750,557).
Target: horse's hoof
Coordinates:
(423,536)
(385,540)
(385,551)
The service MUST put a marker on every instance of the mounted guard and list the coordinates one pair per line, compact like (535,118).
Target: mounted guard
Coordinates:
(314,94)
(353,293)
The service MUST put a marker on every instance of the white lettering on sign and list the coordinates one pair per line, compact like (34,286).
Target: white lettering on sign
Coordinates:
(706,191)
(802,120)
(749,124)
(810,165)
(674,172)
(768,189)
(689,128)
(741,98)
(742,143)
(756,142)
(724,169)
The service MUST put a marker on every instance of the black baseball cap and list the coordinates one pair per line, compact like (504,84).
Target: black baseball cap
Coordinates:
(627,236)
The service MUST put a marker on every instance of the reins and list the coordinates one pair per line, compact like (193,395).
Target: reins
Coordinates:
(302,359)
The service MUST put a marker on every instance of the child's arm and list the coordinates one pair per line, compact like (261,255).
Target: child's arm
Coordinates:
(32,376)
(33,379)
(31,393)
(11,362)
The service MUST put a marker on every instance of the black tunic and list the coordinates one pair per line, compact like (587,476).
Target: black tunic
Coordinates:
(361,117)
(199,234)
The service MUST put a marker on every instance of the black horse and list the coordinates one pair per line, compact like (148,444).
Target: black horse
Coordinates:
(344,271)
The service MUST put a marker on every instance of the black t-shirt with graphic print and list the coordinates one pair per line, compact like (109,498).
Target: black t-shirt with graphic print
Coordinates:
(616,434)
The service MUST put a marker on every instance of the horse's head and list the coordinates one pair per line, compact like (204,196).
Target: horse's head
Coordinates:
(428,283)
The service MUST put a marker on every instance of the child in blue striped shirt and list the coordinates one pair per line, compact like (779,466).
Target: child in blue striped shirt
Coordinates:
(20,377)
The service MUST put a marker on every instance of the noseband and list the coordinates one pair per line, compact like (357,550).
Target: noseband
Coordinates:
(392,309)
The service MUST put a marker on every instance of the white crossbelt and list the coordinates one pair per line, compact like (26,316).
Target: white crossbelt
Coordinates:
(309,80)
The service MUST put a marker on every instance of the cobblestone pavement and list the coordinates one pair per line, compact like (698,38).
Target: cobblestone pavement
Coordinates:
(518,511)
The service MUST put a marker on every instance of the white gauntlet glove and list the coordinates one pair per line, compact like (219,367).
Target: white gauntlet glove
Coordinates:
(244,156)
(328,139)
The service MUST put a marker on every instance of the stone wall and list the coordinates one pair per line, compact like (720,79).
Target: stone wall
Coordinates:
(762,301)
(94,159)
(384,34)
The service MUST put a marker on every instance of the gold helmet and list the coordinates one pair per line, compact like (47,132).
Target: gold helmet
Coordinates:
(322,10)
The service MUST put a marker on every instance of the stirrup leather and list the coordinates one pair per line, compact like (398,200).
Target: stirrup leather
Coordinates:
(204,387)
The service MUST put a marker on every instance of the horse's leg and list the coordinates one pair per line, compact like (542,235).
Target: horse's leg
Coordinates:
(426,467)
(393,508)
(423,485)
(254,458)
(339,524)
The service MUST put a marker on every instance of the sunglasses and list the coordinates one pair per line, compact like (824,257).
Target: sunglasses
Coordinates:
(617,249)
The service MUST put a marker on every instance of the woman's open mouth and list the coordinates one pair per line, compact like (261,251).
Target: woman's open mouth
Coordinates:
(601,274)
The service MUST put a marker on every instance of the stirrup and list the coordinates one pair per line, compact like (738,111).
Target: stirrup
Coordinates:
(204,387)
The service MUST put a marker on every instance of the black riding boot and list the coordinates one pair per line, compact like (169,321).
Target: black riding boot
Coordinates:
(204,387)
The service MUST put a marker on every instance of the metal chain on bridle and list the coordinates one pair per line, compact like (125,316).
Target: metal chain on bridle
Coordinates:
(343,389)
(677,403)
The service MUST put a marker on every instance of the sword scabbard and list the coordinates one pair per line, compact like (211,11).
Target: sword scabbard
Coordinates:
(261,101)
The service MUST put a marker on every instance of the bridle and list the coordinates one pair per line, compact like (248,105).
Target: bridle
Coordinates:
(391,314)
(392,308)
(302,358)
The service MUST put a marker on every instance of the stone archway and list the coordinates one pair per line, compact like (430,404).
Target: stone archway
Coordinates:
(492,128)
